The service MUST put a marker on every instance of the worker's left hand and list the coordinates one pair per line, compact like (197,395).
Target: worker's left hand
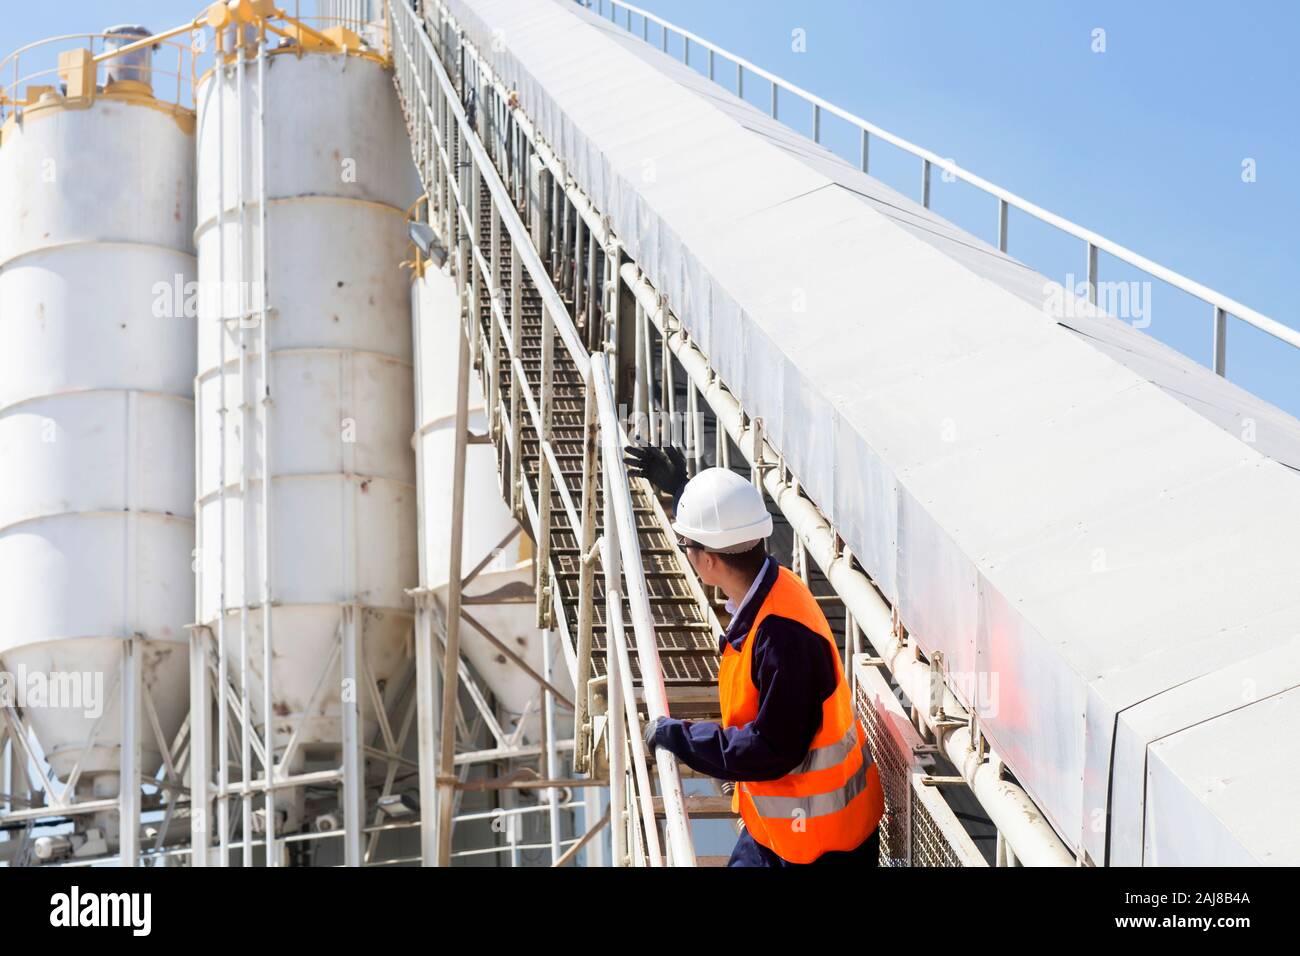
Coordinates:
(648,734)
(665,468)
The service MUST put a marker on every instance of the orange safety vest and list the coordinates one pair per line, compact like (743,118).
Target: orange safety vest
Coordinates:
(831,801)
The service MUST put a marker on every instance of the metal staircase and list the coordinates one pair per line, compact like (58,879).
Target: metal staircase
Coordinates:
(578,352)
(541,329)
(685,638)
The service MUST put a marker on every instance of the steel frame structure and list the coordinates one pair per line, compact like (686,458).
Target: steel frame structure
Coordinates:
(472,206)
(243,767)
(32,796)
(661,349)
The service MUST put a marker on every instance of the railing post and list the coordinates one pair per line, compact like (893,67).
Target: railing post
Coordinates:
(1002,225)
(589,313)
(866,151)
(740,81)
(586,536)
(1220,341)
(579,266)
(641,383)
(1092,273)
(817,123)
(451,652)
(615,726)
(610,332)
(925,183)
(775,89)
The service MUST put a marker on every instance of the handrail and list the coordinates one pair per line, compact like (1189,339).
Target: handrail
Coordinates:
(1021,824)
(415,62)
(1223,305)
(619,496)
(353,14)
(520,240)
(11,77)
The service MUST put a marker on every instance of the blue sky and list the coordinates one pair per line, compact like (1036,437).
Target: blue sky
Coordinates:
(1143,143)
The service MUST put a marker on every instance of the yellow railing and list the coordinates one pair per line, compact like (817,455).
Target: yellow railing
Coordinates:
(179,61)
(25,71)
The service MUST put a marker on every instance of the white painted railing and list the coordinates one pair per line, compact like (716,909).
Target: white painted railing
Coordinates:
(453,165)
(1221,306)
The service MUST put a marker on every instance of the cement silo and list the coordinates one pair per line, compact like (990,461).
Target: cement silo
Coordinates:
(306,490)
(492,540)
(97,430)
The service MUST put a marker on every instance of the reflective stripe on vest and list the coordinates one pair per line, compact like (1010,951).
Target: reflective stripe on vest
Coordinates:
(832,755)
(833,799)
(814,805)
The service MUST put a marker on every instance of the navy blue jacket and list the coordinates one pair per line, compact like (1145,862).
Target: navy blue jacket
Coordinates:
(794,671)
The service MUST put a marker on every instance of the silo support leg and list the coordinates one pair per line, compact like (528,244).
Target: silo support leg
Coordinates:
(426,731)
(200,742)
(451,658)
(354,763)
(129,788)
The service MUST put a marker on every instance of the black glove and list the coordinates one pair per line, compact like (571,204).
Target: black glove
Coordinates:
(665,468)
(648,735)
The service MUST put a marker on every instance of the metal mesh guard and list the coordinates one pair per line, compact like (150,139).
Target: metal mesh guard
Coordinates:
(895,774)
(918,828)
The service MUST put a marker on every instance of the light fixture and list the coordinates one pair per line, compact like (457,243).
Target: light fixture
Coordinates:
(426,240)
(399,804)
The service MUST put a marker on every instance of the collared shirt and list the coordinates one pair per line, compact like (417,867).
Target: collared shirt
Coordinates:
(732,609)
(794,672)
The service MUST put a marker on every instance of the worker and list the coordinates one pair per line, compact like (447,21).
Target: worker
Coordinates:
(806,787)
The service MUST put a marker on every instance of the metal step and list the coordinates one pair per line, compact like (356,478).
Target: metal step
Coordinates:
(682,631)
(702,806)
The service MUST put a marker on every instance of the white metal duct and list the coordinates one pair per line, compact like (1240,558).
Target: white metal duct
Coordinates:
(96,414)
(1078,534)
(338,520)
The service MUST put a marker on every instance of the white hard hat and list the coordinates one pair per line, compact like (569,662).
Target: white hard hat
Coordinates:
(721,510)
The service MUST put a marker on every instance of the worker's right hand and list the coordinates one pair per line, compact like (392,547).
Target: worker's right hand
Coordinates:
(648,734)
(665,468)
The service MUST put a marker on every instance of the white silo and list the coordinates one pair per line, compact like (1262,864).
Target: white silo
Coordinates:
(313,387)
(96,421)
(507,574)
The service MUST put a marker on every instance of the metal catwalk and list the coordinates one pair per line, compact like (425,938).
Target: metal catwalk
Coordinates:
(1110,677)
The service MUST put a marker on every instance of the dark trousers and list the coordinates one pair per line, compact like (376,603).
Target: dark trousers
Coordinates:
(749,852)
